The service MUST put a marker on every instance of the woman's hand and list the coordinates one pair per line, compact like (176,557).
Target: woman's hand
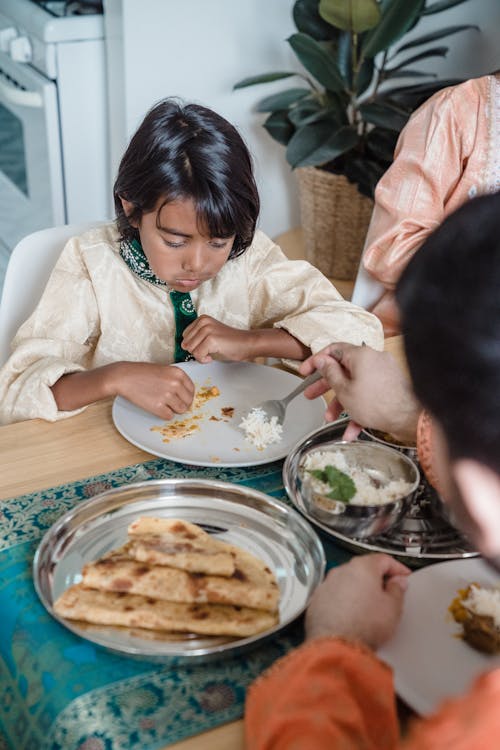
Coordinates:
(369,385)
(362,600)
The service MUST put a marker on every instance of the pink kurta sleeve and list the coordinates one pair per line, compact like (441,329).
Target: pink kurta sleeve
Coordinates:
(421,187)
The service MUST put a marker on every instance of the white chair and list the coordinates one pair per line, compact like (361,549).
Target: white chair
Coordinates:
(28,271)
(367,290)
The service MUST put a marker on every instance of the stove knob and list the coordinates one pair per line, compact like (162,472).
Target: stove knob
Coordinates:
(6,36)
(20,49)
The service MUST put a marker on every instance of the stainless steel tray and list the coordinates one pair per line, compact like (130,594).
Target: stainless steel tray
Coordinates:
(421,537)
(239,515)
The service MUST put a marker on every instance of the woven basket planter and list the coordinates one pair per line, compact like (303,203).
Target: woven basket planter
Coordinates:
(334,218)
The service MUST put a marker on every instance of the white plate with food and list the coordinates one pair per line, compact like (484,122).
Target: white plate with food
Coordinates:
(430,658)
(110,573)
(209,434)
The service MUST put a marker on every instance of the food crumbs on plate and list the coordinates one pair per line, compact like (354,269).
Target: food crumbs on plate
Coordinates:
(236,449)
(214,459)
(227,411)
(204,394)
(182,428)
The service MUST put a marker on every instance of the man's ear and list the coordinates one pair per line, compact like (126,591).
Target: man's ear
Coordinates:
(128,208)
(479,488)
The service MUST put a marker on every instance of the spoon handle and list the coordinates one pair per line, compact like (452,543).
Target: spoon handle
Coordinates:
(302,386)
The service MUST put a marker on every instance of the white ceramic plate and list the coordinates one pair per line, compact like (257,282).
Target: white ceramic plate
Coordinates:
(242,386)
(430,662)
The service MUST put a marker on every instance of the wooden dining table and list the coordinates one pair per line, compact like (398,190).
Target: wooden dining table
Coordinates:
(36,454)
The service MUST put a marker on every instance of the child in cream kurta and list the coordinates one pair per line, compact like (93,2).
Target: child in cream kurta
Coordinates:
(182,274)
(96,310)
(448,152)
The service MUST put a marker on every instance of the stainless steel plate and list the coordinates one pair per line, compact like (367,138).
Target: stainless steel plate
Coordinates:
(422,536)
(252,520)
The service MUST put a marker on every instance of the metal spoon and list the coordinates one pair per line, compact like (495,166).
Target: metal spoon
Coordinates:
(277,407)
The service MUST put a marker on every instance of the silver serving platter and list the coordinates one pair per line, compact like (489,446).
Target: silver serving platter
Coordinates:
(423,535)
(263,526)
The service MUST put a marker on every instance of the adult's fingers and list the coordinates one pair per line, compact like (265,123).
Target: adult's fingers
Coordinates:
(352,431)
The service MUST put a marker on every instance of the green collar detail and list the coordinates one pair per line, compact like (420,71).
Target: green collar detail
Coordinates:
(135,258)
(184,311)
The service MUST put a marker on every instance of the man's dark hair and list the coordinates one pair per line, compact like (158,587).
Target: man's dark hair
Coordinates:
(449,298)
(188,151)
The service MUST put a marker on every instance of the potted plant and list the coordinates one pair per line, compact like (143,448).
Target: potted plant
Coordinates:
(340,126)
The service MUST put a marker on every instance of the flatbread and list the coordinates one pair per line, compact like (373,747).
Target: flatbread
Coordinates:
(99,607)
(252,583)
(179,544)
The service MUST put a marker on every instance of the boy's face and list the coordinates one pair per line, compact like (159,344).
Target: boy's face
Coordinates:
(178,253)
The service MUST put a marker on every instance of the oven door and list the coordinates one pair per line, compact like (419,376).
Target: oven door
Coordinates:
(31,178)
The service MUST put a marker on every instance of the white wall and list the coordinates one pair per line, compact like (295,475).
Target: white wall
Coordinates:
(198,49)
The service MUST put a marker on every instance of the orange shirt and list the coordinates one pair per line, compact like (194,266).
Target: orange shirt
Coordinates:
(332,694)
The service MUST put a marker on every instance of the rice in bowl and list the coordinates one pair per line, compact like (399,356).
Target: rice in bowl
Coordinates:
(369,489)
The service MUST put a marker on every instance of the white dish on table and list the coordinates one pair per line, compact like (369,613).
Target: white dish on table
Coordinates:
(218,439)
(430,660)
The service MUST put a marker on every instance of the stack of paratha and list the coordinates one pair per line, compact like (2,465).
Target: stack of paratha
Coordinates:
(171,575)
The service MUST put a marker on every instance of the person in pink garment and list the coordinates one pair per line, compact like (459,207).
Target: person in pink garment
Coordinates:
(448,152)
(333,692)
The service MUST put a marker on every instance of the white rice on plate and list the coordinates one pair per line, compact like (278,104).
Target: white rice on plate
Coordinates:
(261,431)
(368,490)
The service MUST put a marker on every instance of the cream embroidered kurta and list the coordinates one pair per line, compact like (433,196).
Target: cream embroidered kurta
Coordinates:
(448,152)
(95,310)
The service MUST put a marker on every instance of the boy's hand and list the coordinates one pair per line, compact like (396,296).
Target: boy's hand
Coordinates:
(207,336)
(163,390)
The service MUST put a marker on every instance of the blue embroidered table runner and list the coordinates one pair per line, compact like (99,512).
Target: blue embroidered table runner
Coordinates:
(59,692)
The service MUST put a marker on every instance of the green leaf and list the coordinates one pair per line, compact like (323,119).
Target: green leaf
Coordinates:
(411,97)
(319,143)
(308,20)
(436,35)
(304,110)
(317,61)
(365,76)
(384,115)
(434,52)
(264,78)
(397,18)
(343,488)
(443,5)
(311,110)
(381,143)
(406,73)
(281,101)
(344,57)
(279,127)
(354,16)
(365,173)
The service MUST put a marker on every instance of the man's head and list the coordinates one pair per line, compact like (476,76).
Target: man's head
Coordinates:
(449,298)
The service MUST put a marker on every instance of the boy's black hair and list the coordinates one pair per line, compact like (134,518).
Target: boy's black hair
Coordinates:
(449,298)
(188,151)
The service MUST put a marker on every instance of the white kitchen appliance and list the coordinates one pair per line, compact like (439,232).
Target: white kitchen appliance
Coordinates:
(54,151)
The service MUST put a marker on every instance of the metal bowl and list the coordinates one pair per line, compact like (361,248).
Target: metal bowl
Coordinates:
(385,439)
(382,464)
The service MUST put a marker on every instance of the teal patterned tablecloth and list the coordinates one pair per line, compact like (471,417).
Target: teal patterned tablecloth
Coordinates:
(59,692)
